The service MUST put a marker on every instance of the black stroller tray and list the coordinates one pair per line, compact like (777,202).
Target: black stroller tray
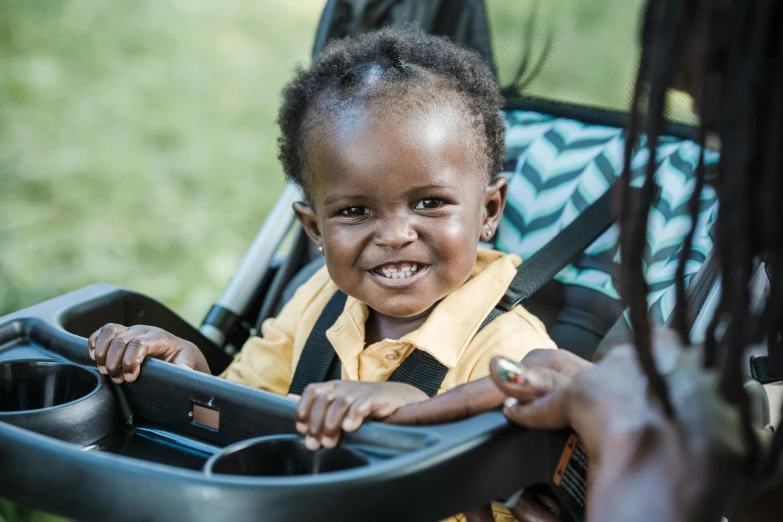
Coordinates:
(73,443)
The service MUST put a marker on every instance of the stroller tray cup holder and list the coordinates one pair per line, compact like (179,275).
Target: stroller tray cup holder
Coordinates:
(281,455)
(57,399)
(194,447)
(36,385)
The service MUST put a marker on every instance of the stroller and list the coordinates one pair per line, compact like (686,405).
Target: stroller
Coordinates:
(215,450)
(564,152)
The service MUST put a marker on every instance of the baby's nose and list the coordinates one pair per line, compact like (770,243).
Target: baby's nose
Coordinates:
(395,233)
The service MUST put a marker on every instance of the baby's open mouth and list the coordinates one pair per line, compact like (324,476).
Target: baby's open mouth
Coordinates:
(397,270)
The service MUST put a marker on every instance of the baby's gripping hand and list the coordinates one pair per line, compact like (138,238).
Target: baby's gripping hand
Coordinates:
(328,408)
(119,350)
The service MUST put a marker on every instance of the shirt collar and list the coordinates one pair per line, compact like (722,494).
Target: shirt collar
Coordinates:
(452,324)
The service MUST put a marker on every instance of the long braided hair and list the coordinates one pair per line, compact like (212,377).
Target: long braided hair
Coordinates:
(739,45)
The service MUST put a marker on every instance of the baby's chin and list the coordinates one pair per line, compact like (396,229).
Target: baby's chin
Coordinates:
(403,308)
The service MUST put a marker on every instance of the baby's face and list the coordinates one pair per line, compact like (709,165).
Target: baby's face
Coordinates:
(400,202)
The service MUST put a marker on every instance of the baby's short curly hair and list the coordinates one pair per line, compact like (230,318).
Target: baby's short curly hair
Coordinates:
(390,64)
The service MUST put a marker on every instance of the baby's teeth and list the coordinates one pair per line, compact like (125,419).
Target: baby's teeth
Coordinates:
(398,273)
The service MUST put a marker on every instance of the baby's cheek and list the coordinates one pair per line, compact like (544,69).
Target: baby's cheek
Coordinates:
(458,252)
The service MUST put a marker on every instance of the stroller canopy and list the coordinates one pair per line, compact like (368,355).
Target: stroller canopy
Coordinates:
(567,52)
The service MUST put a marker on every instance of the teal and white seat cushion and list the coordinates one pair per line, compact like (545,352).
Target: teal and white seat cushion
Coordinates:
(561,166)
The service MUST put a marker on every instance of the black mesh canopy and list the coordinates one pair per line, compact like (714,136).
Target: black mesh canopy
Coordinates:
(569,52)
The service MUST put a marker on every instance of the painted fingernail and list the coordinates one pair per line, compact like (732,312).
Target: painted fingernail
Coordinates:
(510,371)
(312,443)
(510,402)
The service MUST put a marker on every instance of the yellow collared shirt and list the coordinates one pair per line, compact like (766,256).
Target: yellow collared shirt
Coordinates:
(448,334)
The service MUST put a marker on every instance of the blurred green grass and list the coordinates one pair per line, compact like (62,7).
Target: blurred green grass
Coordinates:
(138,143)
(588,51)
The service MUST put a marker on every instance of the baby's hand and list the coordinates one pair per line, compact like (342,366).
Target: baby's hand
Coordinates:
(328,408)
(119,350)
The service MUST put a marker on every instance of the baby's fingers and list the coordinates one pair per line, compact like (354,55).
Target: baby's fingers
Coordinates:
(100,341)
(91,343)
(358,411)
(333,422)
(137,349)
(306,403)
(116,353)
(319,398)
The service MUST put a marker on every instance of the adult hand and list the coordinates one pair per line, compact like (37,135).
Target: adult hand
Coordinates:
(692,462)
(546,370)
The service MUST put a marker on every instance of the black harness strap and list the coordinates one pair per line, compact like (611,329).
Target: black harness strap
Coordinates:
(421,370)
(562,249)
(319,361)
(318,355)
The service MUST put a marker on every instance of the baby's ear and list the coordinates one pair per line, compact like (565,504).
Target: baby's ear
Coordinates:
(306,216)
(494,203)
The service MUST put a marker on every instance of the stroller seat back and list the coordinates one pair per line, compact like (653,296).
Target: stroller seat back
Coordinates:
(557,167)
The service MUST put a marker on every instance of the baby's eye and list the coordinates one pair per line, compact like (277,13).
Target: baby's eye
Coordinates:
(354,211)
(428,204)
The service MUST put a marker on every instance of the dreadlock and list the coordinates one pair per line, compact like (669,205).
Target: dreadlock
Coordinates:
(741,52)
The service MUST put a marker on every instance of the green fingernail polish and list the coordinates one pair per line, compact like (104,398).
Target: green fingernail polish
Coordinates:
(510,371)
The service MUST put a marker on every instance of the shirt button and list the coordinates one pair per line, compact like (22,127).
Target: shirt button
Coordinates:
(392,356)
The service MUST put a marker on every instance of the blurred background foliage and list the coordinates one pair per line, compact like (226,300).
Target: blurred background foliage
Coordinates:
(138,143)
(138,137)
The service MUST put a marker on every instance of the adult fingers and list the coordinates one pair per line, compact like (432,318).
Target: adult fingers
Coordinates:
(333,421)
(551,411)
(459,403)
(560,361)
(525,383)
(102,341)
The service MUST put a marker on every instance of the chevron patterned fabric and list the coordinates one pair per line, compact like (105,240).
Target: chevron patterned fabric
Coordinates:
(557,167)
